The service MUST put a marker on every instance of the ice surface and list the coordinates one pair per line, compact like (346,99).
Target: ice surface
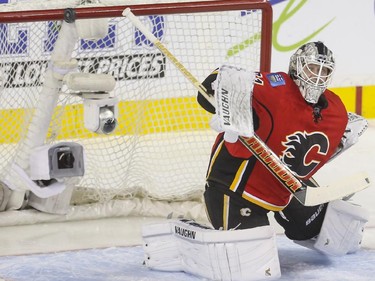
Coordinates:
(125,264)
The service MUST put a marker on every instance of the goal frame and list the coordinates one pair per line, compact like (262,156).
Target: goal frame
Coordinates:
(71,14)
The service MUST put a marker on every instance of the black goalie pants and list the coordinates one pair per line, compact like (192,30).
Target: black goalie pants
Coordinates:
(226,211)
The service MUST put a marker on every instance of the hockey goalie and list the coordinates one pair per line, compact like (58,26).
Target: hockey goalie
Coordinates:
(305,125)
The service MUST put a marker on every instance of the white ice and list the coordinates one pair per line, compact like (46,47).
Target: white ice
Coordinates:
(125,263)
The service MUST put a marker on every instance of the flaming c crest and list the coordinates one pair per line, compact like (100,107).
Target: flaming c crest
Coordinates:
(302,151)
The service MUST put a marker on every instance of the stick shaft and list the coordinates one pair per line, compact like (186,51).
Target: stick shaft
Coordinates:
(137,23)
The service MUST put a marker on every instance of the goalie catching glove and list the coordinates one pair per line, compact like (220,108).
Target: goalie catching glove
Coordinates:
(355,128)
(233,89)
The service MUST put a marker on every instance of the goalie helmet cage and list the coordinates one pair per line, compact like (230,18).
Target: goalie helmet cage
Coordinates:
(155,162)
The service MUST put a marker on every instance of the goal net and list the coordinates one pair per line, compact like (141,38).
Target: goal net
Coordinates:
(158,153)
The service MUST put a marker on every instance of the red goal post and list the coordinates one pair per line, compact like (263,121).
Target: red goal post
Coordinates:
(159,152)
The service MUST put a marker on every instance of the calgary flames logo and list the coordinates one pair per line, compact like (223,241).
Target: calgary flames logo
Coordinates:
(302,151)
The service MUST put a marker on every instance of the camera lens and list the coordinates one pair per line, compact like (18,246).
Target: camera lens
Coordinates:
(65,160)
(109,126)
(108,122)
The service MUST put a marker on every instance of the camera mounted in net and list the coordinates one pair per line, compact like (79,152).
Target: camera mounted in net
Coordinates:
(61,160)
(100,108)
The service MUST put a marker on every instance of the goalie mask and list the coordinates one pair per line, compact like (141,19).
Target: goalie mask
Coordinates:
(311,67)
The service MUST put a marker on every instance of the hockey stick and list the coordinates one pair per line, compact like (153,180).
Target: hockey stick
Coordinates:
(307,195)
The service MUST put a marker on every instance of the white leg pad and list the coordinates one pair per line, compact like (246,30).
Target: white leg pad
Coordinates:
(342,228)
(249,254)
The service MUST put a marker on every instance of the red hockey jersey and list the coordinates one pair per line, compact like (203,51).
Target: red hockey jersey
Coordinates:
(304,136)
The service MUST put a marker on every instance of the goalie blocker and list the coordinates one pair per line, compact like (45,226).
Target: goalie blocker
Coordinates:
(183,245)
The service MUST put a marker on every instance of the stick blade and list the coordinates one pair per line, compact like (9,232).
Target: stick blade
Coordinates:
(347,186)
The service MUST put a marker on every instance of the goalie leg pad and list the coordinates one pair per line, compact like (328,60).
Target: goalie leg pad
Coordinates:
(342,228)
(246,254)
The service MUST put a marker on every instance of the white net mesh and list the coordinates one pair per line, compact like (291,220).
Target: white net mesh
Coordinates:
(161,147)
